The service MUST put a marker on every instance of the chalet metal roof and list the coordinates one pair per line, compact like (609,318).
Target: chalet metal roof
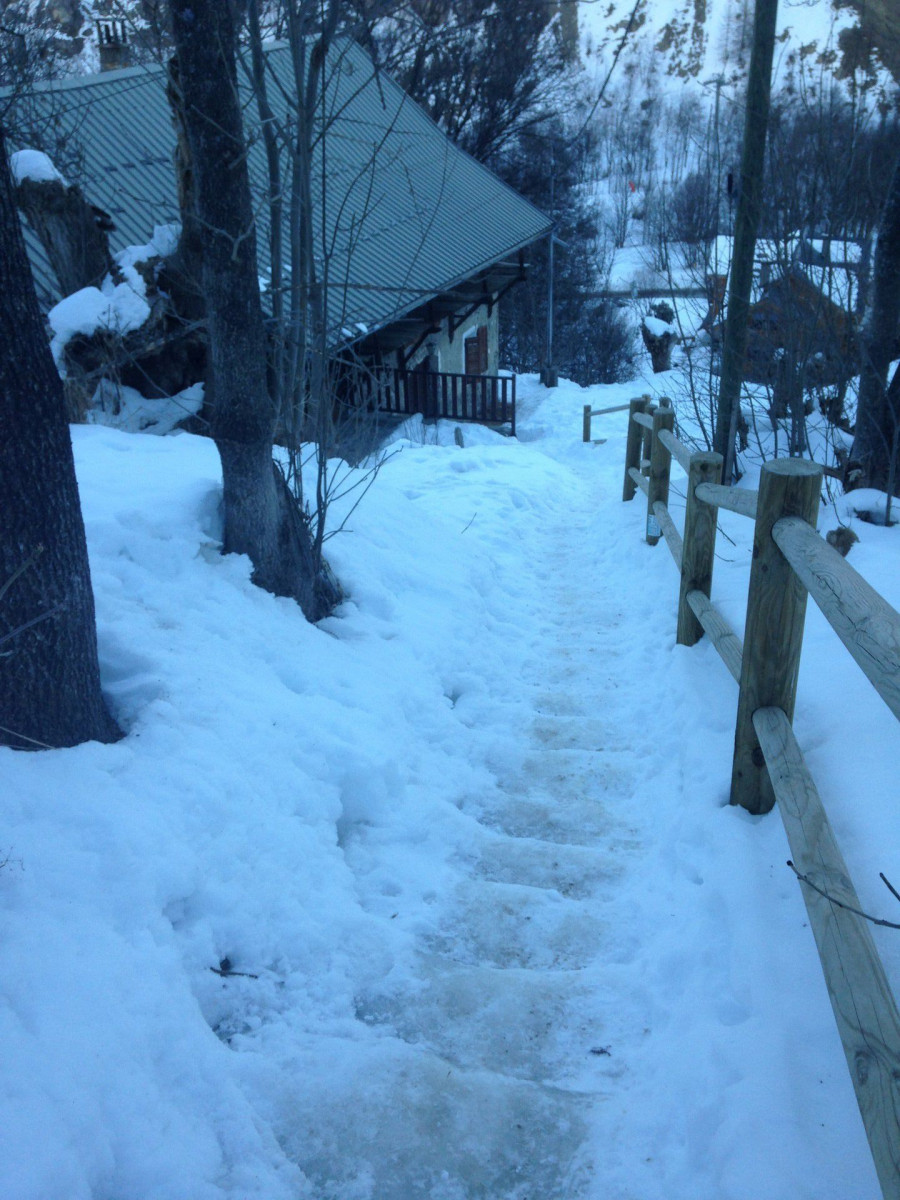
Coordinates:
(408,215)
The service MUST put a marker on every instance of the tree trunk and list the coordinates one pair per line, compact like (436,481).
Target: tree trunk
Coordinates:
(49,673)
(877,428)
(746,223)
(72,232)
(261,518)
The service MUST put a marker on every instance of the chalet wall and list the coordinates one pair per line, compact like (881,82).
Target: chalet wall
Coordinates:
(451,354)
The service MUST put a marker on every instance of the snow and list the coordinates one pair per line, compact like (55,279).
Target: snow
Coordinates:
(163,244)
(122,407)
(678,46)
(119,307)
(34,165)
(657,327)
(467,842)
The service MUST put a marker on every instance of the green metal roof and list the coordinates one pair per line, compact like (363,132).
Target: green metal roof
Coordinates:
(406,213)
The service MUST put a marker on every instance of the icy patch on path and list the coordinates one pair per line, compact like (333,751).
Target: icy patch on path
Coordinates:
(499,1008)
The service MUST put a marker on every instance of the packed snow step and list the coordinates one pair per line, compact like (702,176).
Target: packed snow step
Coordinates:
(502,989)
(522,1023)
(571,870)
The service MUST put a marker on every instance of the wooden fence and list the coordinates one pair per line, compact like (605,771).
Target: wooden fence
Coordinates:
(487,399)
(790,562)
(597,412)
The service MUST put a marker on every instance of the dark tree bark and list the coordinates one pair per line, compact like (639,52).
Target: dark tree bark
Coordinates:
(262,519)
(877,419)
(756,122)
(73,232)
(659,347)
(49,674)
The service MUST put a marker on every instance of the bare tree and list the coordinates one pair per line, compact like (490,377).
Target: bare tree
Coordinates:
(49,673)
(262,517)
(747,220)
(486,72)
(875,444)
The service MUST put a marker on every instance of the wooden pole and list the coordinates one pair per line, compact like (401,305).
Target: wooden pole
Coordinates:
(660,469)
(749,204)
(633,445)
(699,544)
(586,427)
(725,641)
(773,635)
(647,444)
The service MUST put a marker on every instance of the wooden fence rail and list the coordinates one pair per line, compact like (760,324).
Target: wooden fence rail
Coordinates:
(486,399)
(596,412)
(790,562)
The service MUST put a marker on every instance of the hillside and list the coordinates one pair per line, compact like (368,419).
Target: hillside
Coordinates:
(678,43)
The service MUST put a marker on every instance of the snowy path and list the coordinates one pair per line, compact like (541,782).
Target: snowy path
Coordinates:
(568,1041)
(513,1003)
(497,933)
(506,1004)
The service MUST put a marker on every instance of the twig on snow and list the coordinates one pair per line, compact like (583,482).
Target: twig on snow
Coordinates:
(840,903)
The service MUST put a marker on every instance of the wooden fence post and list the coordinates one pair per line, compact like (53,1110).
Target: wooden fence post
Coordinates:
(647,441)
(699,548)
(660,469)
(776,607)
(633,444)
(586,427)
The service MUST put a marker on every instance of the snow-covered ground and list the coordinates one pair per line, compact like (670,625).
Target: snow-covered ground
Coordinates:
(488,926)
(682,45)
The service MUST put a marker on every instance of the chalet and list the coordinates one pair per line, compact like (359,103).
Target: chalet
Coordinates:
(803,318)
(422,241)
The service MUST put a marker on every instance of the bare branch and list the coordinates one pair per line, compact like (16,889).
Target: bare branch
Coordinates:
(840,903)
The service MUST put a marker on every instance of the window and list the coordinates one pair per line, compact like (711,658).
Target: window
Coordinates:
(476,348)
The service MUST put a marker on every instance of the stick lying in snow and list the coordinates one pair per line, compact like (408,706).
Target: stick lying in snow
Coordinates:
(224,969)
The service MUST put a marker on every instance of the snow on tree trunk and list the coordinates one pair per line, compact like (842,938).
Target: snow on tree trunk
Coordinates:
(659,340)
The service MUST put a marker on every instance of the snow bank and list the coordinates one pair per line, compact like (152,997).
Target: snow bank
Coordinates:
(120,407)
